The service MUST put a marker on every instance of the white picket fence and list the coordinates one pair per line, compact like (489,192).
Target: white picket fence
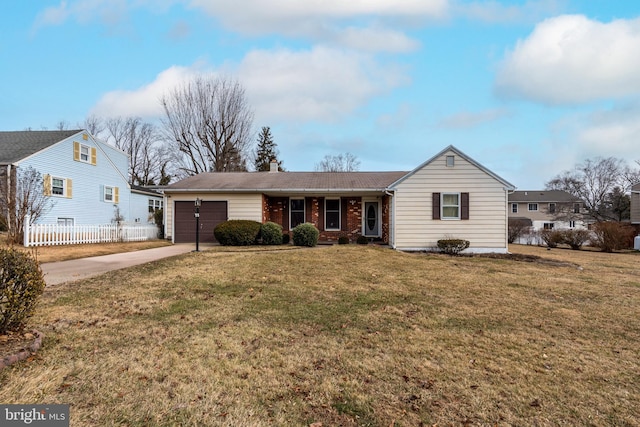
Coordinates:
(53,234)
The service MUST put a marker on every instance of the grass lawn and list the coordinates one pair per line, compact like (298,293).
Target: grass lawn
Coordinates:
(343,335)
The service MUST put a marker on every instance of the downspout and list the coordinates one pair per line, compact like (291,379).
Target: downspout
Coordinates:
(9,204)
(392,220)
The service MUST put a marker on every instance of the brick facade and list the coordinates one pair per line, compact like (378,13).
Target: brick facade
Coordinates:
(276,209)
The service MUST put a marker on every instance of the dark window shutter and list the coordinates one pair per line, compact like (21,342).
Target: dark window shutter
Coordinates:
(436,206)
(464,205)
(321,213)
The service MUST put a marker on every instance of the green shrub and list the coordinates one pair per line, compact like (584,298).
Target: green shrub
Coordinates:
(271,233)
(286,238)
(238,232)
(452,246)
(362,240)
(21,285)
(552,238)
(613,236)
(305,235)
(343,240)
(575,238)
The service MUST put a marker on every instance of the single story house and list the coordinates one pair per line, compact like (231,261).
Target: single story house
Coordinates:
(448,196)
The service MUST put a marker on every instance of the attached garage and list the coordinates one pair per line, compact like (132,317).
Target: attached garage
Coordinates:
(211,214)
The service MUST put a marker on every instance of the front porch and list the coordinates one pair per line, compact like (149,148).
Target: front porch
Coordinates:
(334,216)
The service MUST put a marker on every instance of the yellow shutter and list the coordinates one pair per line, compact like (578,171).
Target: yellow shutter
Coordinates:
(76,151)
(94,156)
(69,189)
(116,195)
(46,180)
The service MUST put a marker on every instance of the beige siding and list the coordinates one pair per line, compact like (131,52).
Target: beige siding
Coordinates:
(635,206)
(487,224)
(240,206)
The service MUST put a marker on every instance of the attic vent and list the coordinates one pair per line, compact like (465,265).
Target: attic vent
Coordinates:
(450,161)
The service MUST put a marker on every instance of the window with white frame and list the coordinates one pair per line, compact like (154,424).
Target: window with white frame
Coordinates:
(514,207)
(154,205)
(296,212)
(65,221)
(450,206)
(108,194)
(548,226)
(332,214)
(57,186)
(533,207)
(85,153)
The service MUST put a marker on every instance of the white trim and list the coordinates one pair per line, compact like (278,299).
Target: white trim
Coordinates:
(466,251)
(377,200)
(104,193)
(459,206)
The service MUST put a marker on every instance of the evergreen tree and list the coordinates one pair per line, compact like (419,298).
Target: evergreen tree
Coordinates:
(266,151)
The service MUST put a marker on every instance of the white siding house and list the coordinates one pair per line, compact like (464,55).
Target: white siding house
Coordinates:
(450,196)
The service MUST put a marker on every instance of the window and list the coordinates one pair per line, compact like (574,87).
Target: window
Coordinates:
(450,206)
(514,207)
(110,194)
(552,208)
(57,186)
(297,212)
(533,207)
(154,205)
(450,161)
(572,224)
(576,208)
(548,226)
(65,221)
(332,214)
(84,153)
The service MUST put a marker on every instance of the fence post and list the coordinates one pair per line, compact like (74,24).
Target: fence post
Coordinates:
(25,226)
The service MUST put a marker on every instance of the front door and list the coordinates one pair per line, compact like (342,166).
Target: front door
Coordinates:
(371,220)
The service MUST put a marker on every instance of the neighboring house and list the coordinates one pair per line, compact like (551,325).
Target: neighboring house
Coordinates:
(450,195)
(85,179)
(547,210)
(635,204)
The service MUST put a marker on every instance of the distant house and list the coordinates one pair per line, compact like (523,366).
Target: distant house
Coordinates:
(450,195)
(635,204)
(85,179)
(547,210)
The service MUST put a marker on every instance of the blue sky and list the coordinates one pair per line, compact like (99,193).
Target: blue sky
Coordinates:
(527,88)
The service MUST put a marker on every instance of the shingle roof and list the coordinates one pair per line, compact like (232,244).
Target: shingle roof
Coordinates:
(15,146)
(287,181)
(552,196)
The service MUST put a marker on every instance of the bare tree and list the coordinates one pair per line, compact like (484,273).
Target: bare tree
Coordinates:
(345,162)
(208,122)
(141,141)
(593,181)
(25,201)
(94,124)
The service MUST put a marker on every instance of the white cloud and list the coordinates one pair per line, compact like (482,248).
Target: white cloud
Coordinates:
(144,101)
(614,132)
(320,84)
(329,21)
(467,119)
(571,59)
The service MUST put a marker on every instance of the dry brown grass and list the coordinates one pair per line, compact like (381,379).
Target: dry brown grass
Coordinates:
(343,335)
(67,252)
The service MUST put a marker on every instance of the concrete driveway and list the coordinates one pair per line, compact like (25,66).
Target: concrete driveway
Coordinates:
(66,271)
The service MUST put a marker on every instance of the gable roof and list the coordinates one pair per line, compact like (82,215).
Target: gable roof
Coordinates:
(635,188)
(459,153)
(287,181)
(15,146)
(557,196)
